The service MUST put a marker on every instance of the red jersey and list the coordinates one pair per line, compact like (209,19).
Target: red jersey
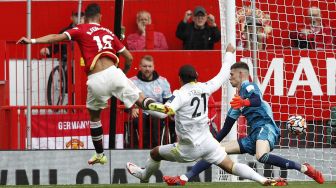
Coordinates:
(93,38)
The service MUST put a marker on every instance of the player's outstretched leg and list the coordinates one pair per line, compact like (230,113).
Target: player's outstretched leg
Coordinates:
(313,173)
(144,102)
(143,173)
(264,156)
(238,169)
(136,171)
(150,168)
(246,172)
(148,103)
(277,182)
(158,107)
(305,168)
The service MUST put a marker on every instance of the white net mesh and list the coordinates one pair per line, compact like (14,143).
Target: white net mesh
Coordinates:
(296,70)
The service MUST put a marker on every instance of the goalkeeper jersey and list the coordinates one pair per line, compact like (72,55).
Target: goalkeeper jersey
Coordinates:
(255,116)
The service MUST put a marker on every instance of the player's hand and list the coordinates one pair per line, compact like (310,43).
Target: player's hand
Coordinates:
(187,16)
(237,102)
(24,40)
(230,48)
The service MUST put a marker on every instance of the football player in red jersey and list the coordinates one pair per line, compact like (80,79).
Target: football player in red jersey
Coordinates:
(99,46)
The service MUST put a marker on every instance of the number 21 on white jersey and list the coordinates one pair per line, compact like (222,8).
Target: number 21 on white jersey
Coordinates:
(198,103)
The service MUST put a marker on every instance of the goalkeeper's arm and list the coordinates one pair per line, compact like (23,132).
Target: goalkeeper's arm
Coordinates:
(229,122)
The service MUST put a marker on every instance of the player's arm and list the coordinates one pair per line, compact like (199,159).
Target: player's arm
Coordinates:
(229,122)
(215,83)
(52,38)
(128,60)
(171,106)
(254,100)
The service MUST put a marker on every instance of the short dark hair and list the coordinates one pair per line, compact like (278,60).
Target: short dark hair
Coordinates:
(240,65)
(188,73)
(92,10)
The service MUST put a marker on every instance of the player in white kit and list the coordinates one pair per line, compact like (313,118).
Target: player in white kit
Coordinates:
(189,104)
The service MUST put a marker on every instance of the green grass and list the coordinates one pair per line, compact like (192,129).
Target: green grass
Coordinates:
(205,185)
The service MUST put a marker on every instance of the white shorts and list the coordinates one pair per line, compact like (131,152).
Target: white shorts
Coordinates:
(210,150)
(107,83)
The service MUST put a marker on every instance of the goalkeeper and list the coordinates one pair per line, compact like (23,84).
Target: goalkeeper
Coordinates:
(264,132)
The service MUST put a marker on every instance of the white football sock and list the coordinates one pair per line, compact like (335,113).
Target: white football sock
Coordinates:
(247,172)
(150,168)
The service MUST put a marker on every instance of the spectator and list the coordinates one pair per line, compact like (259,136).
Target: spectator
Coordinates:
(146,38)
(199,34)
(245,22)
(55,48)
(157,87)
(246,41)
(315,35)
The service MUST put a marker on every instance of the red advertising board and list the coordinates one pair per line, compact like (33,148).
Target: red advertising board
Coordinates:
(65,131)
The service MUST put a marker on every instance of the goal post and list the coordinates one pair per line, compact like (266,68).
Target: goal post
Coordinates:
(228,35)
(295,68)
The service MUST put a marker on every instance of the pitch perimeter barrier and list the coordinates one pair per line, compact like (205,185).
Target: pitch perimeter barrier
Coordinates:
(53,167)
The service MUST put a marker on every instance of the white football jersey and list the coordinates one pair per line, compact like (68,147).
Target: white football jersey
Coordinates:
(190,104)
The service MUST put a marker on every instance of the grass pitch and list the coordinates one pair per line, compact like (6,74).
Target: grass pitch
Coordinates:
(192,184)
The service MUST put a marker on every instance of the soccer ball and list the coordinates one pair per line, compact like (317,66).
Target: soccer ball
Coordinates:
(296,125)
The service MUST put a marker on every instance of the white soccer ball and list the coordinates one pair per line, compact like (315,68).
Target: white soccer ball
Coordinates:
(296,125)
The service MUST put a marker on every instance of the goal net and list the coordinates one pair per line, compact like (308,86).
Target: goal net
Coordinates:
(295,69)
